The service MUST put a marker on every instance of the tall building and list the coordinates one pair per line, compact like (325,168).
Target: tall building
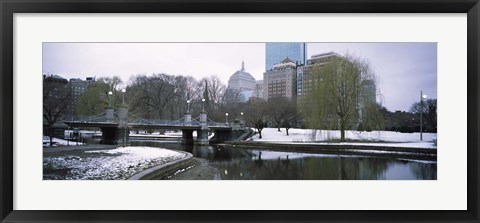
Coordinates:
(77,87)
(276,52)
(369,91)
(259,93)
(306,83)
(242,82)
(368,97)
(304,73)
(280,81)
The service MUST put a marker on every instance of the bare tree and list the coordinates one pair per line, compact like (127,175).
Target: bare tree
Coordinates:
(428,109)
(186,88)
(276,110)
(290,115)
(216,90)
(213,90)
(151,96)
(114,82)
(282,112)
(56,100)
(256,114)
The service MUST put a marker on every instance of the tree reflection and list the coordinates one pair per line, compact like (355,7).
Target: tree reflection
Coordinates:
(243,164)
(427,171)
(307,168)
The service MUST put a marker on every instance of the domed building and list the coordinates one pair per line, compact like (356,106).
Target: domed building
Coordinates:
(242,82)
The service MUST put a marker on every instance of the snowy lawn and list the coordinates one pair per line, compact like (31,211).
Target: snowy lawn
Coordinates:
(374,138)
(114,164)
(165,135)
(158,135)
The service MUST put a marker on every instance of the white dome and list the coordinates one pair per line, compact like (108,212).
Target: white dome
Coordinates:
(241,80)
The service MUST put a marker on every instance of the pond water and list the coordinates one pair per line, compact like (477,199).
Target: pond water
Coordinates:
(254,164)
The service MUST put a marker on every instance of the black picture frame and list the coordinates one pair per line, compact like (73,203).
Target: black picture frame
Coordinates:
(9,7)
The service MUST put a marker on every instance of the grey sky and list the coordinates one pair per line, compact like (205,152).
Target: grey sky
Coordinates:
(402,69)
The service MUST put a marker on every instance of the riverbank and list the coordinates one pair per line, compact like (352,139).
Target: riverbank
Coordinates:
(80,148)
(200,170)
(103,162)
(327,136)
(367,149)
(166,169)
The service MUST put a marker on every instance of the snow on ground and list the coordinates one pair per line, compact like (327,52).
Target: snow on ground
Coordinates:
(423,145)
(374,138)
(157,134)
(166,135)
(59,142)
(119,163)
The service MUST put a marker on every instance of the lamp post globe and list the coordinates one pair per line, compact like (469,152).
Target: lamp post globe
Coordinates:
(110,93)
(242,120)
(123,96)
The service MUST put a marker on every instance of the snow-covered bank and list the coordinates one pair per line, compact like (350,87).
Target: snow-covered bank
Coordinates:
(374,138)
(59,142)
(158,135)
(113,164)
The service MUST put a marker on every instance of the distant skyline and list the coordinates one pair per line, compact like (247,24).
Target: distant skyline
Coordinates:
(402,69)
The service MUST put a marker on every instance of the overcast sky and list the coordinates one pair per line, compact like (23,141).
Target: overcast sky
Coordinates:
(402,69)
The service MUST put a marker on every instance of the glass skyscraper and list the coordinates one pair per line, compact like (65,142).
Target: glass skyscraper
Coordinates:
(276,52)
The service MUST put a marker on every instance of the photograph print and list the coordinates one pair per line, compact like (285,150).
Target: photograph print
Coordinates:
(240,111)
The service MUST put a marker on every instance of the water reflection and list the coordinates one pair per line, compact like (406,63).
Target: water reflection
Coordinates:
(254,164)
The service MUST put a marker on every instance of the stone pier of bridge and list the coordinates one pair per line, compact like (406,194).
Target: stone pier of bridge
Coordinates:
(202,133)
(116,135)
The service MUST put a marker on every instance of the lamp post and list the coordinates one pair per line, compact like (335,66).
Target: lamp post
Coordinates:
(203,104)
(188,106)
(110,98)
(226,118)
(125,129)
(422,97)
(242,122)
(123,96)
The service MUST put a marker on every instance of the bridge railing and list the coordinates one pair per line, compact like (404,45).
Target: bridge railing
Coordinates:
(212,123)
(218,124)
(161,122)
(148,121)
(86,119)
(182,122)
(134,120)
